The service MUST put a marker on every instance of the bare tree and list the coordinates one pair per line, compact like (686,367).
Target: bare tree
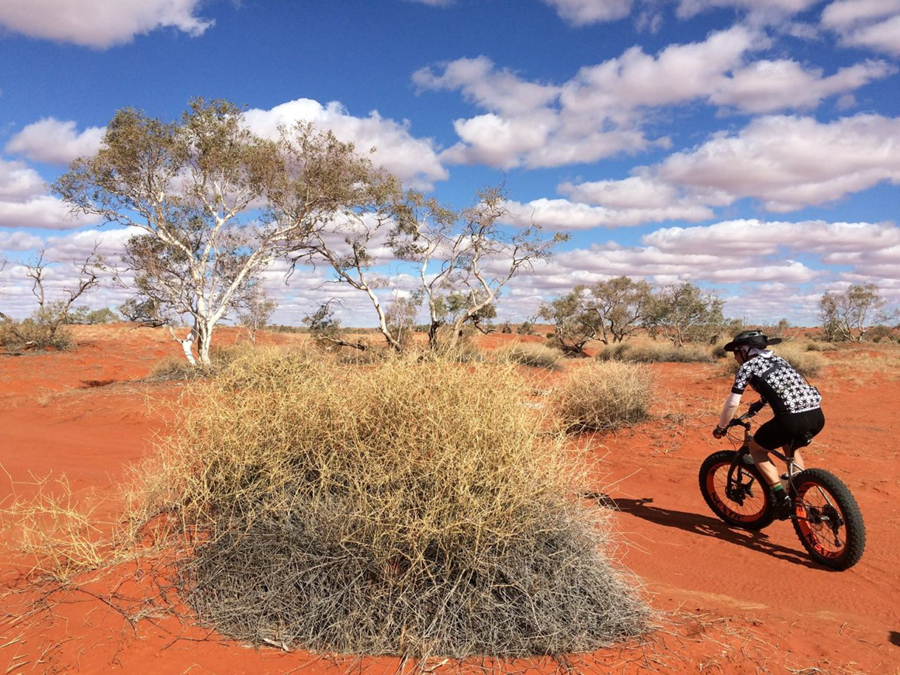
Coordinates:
(351,260)
(849,315)
(254,310)
(43,328)
(425,234)
(474,259)
(325,328)
(216,203)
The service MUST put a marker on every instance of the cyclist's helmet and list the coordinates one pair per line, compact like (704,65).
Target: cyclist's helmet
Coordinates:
(750,339)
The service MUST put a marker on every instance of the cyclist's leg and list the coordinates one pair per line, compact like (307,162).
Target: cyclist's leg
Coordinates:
(769,436)
(764,464)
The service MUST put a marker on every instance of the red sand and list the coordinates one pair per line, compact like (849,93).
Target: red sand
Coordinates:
(730,602)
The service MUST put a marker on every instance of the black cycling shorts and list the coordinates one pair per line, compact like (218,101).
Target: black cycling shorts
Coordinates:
(782,429)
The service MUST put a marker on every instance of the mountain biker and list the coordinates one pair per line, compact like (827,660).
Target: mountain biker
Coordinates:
(795,402)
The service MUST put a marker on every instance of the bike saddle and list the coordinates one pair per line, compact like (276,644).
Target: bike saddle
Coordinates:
(802,440)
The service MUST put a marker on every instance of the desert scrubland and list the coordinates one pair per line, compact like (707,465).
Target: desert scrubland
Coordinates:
(720,600)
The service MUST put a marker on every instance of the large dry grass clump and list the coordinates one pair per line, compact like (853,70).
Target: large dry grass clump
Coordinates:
(604,396)
(533,354)
(413,507)
(655,352)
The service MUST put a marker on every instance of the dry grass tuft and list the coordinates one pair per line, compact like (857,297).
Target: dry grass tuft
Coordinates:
(414,508)
(655,352)
(818,346)
(61,536)
(532,354)
(604,396)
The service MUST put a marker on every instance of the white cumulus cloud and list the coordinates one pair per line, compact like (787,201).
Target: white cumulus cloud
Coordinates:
(55,141)
(99,23)
(873,24)
(605,108)
(413,160)
(584,12)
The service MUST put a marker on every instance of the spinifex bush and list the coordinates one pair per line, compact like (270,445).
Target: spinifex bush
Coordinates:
(604,396)
(413,507)
(533,354)
(656,352)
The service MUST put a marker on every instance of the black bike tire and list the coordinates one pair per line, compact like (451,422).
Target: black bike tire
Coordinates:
(727,456)
(853,520)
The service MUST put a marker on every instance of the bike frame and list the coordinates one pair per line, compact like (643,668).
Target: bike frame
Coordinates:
(744,450)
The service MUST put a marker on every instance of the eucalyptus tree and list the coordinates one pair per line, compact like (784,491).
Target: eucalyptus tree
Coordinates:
(465,259)
(215,204)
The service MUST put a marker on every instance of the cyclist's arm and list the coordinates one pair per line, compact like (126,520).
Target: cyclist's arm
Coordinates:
(759,405)
(732,403)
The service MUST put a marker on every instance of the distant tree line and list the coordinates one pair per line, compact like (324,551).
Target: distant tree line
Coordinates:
(611,311)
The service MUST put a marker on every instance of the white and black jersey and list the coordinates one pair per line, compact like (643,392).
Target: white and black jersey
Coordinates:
(778,383)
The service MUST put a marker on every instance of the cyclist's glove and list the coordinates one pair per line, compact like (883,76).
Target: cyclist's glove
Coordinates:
(718,432)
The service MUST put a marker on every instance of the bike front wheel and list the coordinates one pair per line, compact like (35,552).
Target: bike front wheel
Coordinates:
(827,519)
(738,496)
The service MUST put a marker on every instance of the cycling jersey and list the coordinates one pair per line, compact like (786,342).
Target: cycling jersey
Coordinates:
(778,383)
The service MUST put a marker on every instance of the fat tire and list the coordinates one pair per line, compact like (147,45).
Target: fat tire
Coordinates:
(727,456)
(853,520)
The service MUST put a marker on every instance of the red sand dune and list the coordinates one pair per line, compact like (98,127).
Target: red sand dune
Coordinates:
(729,601)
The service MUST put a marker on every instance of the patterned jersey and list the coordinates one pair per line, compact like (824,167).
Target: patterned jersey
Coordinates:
(778,383)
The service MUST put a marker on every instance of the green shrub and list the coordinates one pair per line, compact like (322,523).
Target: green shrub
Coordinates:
(16,336)
(604,396)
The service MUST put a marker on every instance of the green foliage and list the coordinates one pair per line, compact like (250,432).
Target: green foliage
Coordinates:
(574,319)
(85,315)
(35,334)
(525,328)
(686,313)
(847,316)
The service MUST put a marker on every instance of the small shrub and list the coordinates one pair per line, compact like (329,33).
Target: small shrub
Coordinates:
(525,328)
(718,350)
(533,354)
(655,352)
(29,334)
(178,368)
(818,346)
(604,396)
(465,350)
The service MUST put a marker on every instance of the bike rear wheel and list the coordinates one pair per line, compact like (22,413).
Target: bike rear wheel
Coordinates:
(742,499)
(827,519)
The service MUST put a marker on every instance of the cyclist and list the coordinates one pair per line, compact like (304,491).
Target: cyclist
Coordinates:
(795,402)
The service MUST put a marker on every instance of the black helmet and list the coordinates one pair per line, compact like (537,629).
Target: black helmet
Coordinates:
(750,338)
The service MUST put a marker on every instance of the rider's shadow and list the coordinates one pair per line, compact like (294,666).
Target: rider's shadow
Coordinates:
(702,525)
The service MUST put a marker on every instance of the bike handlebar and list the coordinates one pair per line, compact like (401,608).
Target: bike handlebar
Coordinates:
(742,421)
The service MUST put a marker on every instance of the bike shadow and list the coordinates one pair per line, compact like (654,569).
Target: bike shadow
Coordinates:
(703,525)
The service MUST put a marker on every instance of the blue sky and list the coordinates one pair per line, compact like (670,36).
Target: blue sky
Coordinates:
(751,146)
